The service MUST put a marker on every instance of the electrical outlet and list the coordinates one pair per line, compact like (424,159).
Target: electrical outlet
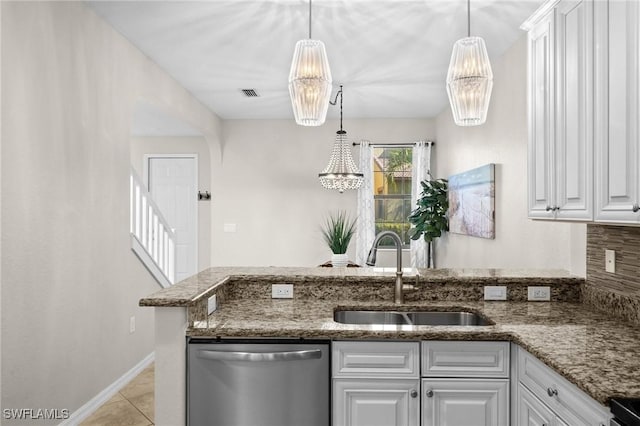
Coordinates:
(539,293)
(495,292)
(282,291)
(610,261)
(132,325)
(212,304)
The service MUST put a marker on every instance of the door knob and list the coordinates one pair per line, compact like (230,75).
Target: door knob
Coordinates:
(552,392)
(429,393)
(414,393)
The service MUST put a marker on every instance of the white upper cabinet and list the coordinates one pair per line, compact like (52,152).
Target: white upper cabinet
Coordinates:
(560,94)
(541,172)
(617,114)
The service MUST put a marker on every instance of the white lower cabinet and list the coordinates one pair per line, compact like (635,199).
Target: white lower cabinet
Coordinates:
(465,383)
(453,383)
(378,402)
(465,402)
(532,412)
(376,383)
(546,398)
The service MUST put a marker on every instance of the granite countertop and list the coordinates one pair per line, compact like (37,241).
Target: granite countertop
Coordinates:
(596,352)
(192,290)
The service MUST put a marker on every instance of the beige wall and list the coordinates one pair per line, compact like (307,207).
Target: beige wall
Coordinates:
(69,279)
(267,184)
(140,146)
(519,242)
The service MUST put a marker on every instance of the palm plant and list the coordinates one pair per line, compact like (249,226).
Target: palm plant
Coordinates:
(338,230)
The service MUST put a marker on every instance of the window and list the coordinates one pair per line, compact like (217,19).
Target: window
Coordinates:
(392,183)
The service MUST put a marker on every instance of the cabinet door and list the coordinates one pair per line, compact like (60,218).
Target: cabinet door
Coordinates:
(617,114)
(541,197)
(531,411)
(465,402)
(376,402)
(574,110)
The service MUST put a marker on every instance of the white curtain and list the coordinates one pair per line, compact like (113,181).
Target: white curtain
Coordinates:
(366,221)
(421,167)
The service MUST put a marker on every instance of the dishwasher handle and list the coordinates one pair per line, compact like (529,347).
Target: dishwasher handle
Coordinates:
(260,356)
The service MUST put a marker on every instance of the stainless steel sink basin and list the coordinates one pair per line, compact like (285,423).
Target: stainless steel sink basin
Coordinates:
(410,318)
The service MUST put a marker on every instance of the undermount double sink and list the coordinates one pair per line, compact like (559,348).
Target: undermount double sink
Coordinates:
(451,318)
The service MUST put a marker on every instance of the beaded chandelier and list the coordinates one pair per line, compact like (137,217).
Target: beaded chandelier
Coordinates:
(341,173)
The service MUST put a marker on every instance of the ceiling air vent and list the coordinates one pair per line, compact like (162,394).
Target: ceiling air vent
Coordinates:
(250,93)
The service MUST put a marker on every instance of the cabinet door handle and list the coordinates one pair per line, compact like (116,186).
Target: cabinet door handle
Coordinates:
(552,392)
(429,393)
(635,208)
(414,393)
(549,208)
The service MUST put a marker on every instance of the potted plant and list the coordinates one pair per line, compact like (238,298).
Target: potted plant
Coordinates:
(429,218)
(337,232)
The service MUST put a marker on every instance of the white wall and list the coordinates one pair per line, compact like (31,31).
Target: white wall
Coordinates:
(519,242)
(267,184)
(140,146)
(69,279)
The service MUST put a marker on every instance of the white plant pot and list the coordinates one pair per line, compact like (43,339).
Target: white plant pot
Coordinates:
(339,260)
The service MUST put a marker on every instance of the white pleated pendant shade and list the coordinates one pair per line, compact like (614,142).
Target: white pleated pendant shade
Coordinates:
(341,173)
(469,81)
(310,83)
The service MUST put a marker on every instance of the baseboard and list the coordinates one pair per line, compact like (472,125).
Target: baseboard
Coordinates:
(105,395)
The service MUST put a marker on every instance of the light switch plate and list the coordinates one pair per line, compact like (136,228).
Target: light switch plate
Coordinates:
(539,293)
(282,291)
(610,261)
(495,292)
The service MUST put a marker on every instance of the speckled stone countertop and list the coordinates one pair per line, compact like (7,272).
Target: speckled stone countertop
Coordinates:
(598,353)
(192,290)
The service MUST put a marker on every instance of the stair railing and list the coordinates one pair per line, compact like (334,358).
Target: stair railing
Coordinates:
(152,239)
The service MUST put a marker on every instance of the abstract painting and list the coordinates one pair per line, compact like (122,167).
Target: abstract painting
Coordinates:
(472,202)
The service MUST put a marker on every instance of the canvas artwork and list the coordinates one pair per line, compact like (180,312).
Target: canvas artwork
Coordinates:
(472,202)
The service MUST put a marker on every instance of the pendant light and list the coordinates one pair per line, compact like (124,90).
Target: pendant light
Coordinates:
(341,173)
(469,80)
(310,81)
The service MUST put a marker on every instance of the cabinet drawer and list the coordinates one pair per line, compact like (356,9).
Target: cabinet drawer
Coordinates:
(571,404)
(376,359)
(465,359)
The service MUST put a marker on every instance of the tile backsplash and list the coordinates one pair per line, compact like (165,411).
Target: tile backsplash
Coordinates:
(619,293)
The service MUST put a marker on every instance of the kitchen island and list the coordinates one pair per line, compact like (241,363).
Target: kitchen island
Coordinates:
(592,350)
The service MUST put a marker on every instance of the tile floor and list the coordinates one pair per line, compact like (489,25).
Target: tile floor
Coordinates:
(132,406)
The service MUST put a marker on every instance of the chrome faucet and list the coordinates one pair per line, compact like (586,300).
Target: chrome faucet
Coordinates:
(371,261)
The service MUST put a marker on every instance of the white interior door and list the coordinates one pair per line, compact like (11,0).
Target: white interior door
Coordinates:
(173,182)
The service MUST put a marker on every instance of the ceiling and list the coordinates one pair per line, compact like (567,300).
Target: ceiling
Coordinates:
(390,55)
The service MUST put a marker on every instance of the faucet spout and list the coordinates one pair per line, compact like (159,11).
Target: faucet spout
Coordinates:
(371,261)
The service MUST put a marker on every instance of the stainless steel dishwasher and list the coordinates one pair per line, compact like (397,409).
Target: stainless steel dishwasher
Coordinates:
(258,383)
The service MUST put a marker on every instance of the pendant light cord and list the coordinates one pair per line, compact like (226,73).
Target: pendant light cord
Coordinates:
(468,18)
(309,19)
